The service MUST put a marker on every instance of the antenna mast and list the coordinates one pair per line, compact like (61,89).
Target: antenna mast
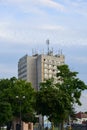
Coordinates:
(47,41)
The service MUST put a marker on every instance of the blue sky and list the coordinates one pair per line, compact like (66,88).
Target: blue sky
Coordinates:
(27,24)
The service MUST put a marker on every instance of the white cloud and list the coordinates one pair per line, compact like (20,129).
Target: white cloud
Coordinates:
(35,6)
(77,7)
(27,5)
(22,32)
(52,4)
(52,27)
(5,32)
(26,32)
(27,29)
(14,32)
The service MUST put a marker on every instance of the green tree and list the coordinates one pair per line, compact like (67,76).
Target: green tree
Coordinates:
(70,84)
(12,88)
(5,113)
(55,100)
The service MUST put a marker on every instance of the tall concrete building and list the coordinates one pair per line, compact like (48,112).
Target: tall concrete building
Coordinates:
(39,67)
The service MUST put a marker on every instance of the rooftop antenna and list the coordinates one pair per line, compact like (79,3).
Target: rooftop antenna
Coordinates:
(47,41)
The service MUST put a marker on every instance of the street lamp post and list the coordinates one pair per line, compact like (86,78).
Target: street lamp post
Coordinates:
(20,100)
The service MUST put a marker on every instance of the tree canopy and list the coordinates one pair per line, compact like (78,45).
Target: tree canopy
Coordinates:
(5,113)
(9,90)
(56,99)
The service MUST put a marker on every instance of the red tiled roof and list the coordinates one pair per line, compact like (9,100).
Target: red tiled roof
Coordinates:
(81,115)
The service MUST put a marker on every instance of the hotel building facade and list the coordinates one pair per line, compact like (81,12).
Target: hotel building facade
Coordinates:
(39,67)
